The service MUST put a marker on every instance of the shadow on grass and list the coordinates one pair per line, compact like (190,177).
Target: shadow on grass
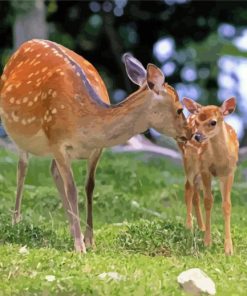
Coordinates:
(34,236)
(164,238)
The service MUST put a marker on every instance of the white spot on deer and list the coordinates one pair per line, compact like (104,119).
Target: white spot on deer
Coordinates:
(19,65)
(30,103)
(62,106)
(36,98)
(54,111)
(27,49)
(18,102)
(30,75)
(54,94)
(77,73)
(46,54)
(38,62)
(29,82)
(33,61)
(62,73)
(38,55)
(15,117)
(9,88)
(25,99)
(36,73)
(3,77)
(50,91)
(38,84)
(58,70)
(12,100)
(44,69)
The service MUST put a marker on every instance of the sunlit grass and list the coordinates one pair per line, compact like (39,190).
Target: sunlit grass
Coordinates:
(139,230)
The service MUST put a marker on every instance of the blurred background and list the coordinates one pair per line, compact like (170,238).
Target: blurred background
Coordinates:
(200,46)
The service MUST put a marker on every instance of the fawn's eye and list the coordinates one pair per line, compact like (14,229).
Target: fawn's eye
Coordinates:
(179,111)
(213,123)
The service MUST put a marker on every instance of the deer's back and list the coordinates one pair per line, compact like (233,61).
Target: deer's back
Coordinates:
(45,90)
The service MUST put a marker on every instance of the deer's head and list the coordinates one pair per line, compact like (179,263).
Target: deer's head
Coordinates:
(207,121)
(165,112)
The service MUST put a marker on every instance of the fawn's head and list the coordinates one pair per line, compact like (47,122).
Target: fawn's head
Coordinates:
(165,112)
(207,121)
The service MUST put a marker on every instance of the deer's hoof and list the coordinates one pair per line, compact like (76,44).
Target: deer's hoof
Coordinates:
(80,246)
(88,238)
(207,241)
(16,218)
(228,247)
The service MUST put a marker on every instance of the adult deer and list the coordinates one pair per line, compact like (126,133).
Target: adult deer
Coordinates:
(213,151)
(53,102)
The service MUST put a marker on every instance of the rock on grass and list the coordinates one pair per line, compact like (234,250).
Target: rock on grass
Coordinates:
(195,282)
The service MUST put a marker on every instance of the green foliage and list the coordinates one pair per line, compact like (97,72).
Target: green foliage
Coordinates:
(139,232)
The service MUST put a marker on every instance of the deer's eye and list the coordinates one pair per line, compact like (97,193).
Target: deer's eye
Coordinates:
(179,111)
(213,123)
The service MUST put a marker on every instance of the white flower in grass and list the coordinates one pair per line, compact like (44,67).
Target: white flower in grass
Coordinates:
(23,250)
(50,278)
(111,275)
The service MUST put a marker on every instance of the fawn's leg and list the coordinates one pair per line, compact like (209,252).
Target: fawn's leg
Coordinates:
(196,203)
(21,174)
(70,200)
(60,187)
(208,203)
(188,200)
(89,187)
(225,187)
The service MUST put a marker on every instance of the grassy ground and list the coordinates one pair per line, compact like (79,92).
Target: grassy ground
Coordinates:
(139,227)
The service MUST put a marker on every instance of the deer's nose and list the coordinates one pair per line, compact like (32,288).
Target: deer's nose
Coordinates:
(198,137)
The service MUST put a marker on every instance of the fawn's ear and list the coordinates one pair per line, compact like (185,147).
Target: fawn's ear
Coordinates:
(135,70)
(191,105)
(155,78)
(228,106)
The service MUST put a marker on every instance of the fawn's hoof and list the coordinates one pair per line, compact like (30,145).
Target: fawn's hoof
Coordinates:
(88,238)
(202,227)
(228,247)
(207,241)
(189,224)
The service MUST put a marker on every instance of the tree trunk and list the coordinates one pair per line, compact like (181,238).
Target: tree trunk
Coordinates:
(31,24)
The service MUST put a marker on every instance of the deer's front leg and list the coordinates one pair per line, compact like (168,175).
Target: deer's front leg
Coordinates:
(21,174)
(89,187)
(208,203)
(64,167)
(188,200)
(225,187)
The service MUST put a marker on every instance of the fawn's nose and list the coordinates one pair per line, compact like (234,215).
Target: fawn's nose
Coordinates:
(198,137)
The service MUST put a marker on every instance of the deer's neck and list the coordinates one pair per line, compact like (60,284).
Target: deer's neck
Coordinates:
(219,142)
(122,121)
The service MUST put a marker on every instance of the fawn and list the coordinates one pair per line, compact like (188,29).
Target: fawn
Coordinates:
(54,102)
(212,151)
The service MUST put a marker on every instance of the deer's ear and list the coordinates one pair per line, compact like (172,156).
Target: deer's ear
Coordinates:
(191,105)
(228,106)
(155,78)
(135,70)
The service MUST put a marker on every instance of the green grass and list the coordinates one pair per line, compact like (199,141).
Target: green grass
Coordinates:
(139,218)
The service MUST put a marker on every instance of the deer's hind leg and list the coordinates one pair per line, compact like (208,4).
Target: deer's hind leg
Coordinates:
(21,175)
(89,188)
